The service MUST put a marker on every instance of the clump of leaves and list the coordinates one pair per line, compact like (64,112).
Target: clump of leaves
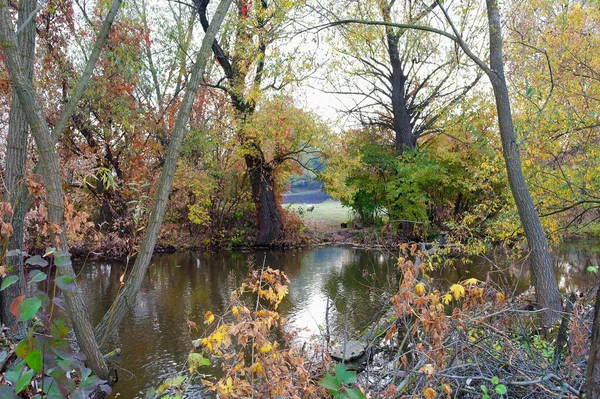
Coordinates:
(246,342)
(45,355)
(338,385)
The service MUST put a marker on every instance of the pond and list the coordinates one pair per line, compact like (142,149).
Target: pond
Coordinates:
(155,339)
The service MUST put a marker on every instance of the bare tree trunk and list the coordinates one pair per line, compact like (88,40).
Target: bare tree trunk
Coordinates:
(546,290)
(270,224)
(16,158)
(126,298)
(591,388)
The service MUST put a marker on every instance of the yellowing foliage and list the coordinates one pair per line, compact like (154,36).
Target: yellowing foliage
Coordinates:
(457,290)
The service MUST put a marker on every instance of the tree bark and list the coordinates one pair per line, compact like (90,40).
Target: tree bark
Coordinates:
(403,130)
(546,290)
(270,225)
(16,159)
(591,388)
(126,298)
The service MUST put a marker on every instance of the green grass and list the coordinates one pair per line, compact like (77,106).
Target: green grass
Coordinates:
(329,210)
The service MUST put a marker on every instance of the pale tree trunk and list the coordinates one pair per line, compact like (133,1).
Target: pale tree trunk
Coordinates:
(126,298)
(16,158)
(547,295)
(51,173)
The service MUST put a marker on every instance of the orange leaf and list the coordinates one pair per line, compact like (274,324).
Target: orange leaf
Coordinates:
(15,305)
(429,393)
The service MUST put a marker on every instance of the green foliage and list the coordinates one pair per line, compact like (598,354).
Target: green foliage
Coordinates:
(337,384)
(46,354)
(498,388)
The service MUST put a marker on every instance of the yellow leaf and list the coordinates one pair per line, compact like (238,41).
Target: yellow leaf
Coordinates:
(420,289)
(257,367)
(209,318)
(234,310)
(447,299)
(429,393)
(500,297)
(457,290)
(266,348)
(470,281)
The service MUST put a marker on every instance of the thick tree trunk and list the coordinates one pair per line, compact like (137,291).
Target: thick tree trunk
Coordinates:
(546,289)
(405,139)
(270,224)
(16,158)
(126,298)
(591,388)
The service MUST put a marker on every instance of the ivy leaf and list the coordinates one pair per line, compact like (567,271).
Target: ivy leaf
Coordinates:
(29,308)
(65,283)
(37,261)
(34,360)
(24,380)
(8,281)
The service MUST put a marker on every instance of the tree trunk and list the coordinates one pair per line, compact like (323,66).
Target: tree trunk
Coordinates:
(546,289)
(270,224)
(405,139)
(591,388)
(126,298)
(16,158)
(51,173)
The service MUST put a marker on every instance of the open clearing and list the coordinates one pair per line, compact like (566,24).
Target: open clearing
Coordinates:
(330,212)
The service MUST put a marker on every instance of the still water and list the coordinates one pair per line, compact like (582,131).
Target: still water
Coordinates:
(155,339)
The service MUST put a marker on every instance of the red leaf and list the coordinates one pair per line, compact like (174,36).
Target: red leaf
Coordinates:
(15,305)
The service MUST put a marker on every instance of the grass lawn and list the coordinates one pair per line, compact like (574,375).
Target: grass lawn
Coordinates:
(329,210)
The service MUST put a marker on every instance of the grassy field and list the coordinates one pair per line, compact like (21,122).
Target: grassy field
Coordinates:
(329,210)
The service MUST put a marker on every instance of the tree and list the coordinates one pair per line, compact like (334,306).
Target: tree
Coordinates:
(554,71)
(403,80)
(113,317)
(247,73)
(49,163)
(547,294)
(44,139)
(16,158)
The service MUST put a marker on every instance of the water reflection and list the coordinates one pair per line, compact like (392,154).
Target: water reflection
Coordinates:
(154,337)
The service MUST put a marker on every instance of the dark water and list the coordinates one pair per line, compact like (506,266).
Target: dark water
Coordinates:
(155,340)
